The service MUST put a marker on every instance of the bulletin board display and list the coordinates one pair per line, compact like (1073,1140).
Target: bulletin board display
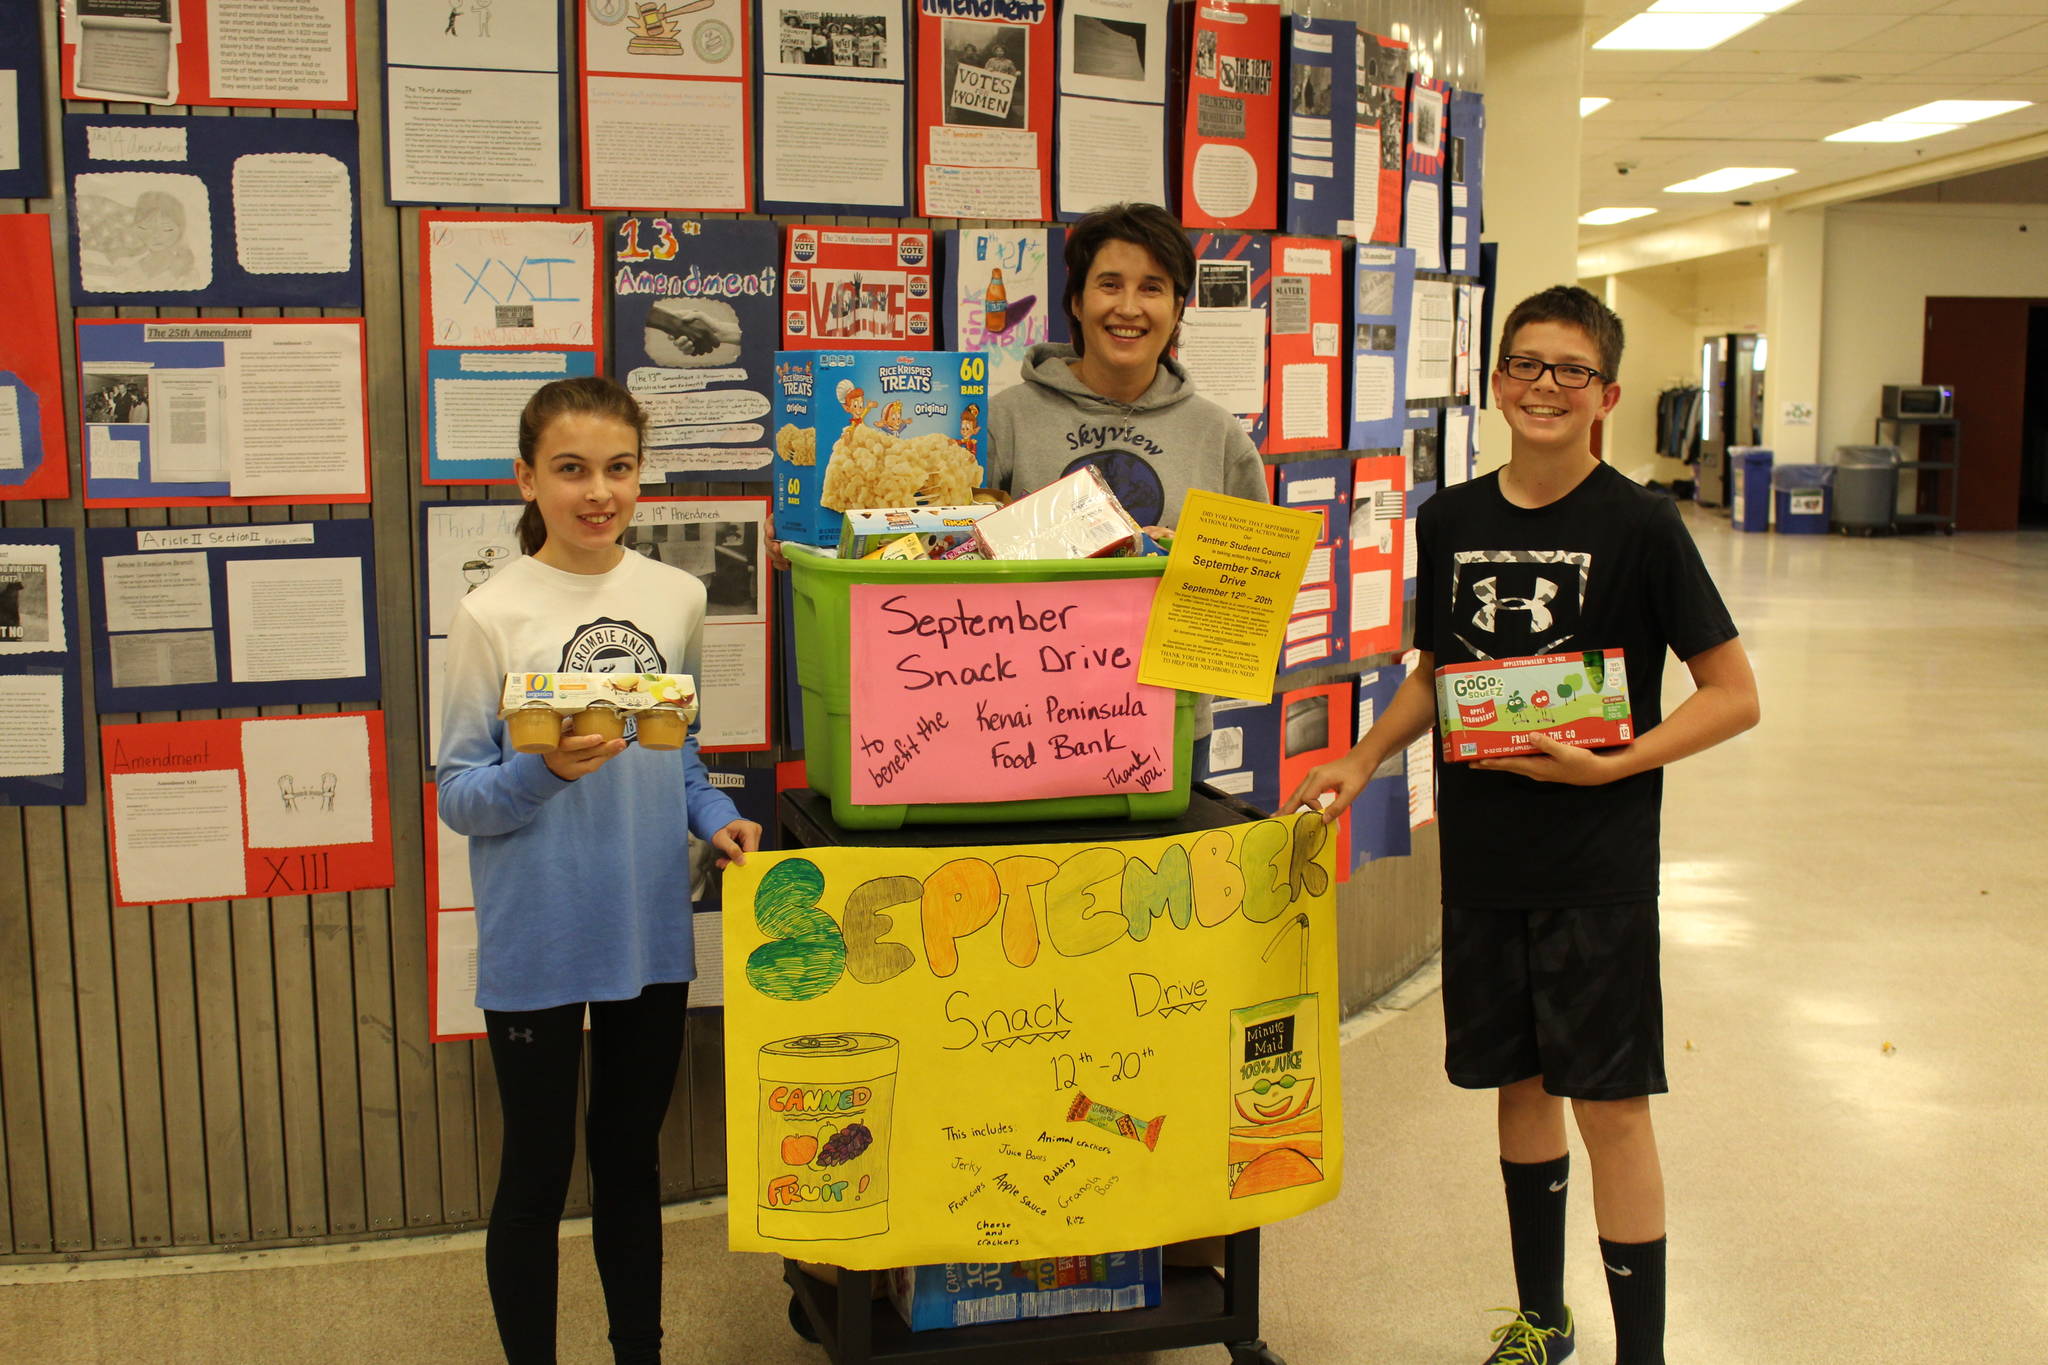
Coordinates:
(287,54)
(33,461)
(42,732)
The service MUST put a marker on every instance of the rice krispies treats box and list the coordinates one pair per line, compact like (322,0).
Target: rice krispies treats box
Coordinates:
(858,429)
(1491,708)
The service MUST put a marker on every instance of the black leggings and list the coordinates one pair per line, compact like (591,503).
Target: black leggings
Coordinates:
(635,1047)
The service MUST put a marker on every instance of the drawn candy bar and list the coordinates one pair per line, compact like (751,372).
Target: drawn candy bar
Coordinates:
(1085,1110)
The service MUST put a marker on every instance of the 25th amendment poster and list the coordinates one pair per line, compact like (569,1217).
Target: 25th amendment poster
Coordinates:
(1030,1050)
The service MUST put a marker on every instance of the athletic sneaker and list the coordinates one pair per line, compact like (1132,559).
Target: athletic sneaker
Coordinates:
(1524,1342)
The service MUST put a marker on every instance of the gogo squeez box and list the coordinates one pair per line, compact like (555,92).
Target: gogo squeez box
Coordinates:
(1489,709)
(861,429)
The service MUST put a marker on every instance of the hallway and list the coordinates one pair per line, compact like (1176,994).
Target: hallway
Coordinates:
(1855,937)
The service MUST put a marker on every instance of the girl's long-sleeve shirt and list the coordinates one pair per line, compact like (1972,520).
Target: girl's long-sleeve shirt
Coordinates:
(582,888)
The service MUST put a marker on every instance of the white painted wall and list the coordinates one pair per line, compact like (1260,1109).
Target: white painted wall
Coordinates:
(1883,263)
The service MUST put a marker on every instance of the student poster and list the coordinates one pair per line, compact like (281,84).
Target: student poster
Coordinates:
(1321,134)
(922,1065)
(1420,761)
(1382,130)
(1240,754)
(1455,459)
(667,105)
(42,733)
(857,288)
(508,303)
(473,103)
(1466,176)
(1231,128)
(1306,378)
(1422,202)
(213,412)
(210,810)
(1223,331)
(213,213)
(1319,623)
(1432,339)
(1315,727)
(1378,553)
(694,329)
(1383,285)
(1005,293)
(24,173)
(281,53)
(834,110)
(1379,813)
(461,545)
(33,461)
(188,618)
(451,929)
(1113,59)
(984,101)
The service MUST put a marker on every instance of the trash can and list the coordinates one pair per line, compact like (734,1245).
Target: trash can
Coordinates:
(1802,492)
(1866,491)
(1749,498)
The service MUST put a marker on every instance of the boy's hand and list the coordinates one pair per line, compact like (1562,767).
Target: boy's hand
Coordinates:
(1566,763)
(1343,778)
(736,841)
(581,755)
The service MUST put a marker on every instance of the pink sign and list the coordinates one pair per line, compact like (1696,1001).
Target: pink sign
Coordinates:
(1004,692)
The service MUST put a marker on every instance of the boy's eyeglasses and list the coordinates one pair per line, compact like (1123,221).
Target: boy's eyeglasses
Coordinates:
(1529,369)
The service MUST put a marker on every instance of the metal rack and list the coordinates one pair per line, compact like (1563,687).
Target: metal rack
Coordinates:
(1198,1306)
(1948,472)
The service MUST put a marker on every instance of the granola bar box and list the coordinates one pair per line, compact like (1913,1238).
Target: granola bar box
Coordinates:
(858,429)
(1491,708)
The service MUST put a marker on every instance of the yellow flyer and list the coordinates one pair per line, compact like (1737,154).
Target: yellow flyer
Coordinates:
(1004,1053)
(1222,607)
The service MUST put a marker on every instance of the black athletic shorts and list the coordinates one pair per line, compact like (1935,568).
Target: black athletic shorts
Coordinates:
(1568,995)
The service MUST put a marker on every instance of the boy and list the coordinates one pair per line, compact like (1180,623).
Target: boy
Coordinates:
(1550,943)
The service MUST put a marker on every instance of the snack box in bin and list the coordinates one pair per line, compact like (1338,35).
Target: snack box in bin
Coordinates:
(821,591)
(858,429)
(968,1293)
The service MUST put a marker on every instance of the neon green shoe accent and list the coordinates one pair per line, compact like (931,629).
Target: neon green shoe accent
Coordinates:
(1522,1342)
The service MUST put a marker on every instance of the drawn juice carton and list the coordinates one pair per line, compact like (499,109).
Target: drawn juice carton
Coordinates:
(825,1109)
(1276,1105)
(866,429)
(1491,708)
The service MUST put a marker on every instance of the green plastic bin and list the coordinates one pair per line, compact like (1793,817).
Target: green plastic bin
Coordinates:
(823,653)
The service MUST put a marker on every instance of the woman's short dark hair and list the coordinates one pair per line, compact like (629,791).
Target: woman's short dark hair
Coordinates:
(1145,225)
(1575,307)
(590,395)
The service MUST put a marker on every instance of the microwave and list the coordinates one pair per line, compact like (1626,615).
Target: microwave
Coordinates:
(1910,401)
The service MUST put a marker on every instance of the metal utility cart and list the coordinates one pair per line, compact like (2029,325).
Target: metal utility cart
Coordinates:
(1947,470)
(1197,1305)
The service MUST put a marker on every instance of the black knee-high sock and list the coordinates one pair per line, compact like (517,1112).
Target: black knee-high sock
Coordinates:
(1635,1285)
(1536,1193)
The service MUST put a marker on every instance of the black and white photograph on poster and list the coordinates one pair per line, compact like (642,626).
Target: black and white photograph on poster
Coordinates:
(844,38)
(1429,122)
(985,74)
(1114,49)
(1311,97)
(724,555)
(1378,336)
(1422,446)
(1379,109)
(142,232)
(110,395)
(1457,159)
(31,607)
(690,334)
(1223,284)
(1110,49)
(1376,294)
(1205,54)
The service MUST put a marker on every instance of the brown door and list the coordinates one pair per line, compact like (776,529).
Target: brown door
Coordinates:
(1980,347)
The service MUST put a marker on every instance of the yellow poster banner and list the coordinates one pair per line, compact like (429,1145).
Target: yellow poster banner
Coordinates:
(1229,588)
(1002,1053)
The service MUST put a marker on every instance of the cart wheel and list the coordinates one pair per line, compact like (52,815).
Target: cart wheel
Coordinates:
(1253,1353)
(800,1321)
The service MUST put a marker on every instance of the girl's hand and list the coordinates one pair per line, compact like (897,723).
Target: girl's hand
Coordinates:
(1340,780)
(736,841)
(580,755)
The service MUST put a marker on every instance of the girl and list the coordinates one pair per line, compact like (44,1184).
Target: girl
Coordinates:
(582,878)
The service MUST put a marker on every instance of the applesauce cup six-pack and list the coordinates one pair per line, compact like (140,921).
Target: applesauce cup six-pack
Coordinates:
(661,706)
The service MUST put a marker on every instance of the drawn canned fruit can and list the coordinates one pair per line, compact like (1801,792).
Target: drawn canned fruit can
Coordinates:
(825,1107)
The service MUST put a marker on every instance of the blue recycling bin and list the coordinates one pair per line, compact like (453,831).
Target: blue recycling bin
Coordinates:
(1749,495)
(1803,493)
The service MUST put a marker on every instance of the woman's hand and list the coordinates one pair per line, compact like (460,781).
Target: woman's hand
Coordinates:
(580,755)
(736,841)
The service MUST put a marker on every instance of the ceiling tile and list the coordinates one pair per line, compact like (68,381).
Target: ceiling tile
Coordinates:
(2034,39)
(1793,32)
(2026,7)
(1995,62)
(1901,7)
(1944,33)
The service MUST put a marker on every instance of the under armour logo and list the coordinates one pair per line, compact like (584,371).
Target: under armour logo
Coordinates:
(519,1035)
(1491,603)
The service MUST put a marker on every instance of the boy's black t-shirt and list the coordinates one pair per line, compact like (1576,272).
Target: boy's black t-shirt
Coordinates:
(1609,565)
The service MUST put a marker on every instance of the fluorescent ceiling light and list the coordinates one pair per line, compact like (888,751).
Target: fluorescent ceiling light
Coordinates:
(1884,130)
(1676,32)
(1729,178)
(1958,111)
(1607,217)
(1719,6)
(1592,104)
